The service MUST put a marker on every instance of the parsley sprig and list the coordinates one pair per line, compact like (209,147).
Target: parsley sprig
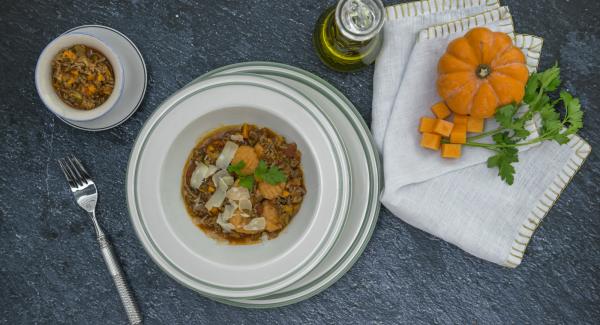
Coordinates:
(246,181)
(236,168)
(513,119)
(272,175)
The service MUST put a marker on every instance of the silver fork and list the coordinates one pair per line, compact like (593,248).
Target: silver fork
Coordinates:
(86,196)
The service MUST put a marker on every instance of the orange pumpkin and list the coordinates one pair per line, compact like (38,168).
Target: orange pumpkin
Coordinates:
(480,72)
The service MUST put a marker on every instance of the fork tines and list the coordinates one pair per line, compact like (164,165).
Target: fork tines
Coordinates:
(74,171)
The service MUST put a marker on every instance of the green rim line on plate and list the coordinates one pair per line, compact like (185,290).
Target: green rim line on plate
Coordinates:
(149,132)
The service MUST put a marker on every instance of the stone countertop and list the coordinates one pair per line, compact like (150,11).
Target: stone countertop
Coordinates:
(51,270)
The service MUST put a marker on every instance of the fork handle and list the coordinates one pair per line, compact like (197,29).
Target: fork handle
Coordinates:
(115,271)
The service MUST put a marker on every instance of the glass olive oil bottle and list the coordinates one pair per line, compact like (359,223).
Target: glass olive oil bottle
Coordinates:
(346,36)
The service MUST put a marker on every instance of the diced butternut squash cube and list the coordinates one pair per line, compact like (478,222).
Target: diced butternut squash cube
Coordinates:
(426,124)
(451,150)
(458,134)
(440,110)
(475,124)
(460,127)
(460,119)
(443,127)
(431,141)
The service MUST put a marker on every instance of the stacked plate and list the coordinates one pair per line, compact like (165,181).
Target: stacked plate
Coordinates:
(342,177)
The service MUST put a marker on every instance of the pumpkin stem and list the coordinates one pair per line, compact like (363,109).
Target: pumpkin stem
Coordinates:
(483,70)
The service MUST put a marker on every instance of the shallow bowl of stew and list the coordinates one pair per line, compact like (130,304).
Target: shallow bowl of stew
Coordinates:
(63,98)
(159,166)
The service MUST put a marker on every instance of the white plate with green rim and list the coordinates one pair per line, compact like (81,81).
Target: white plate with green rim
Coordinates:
(366,187)
(158,213)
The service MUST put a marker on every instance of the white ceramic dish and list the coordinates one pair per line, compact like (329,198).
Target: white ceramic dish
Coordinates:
(366,185)
(43,76)
(158,213)
(134,87)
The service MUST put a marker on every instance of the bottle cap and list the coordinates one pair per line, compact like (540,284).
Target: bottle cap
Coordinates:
(360,20)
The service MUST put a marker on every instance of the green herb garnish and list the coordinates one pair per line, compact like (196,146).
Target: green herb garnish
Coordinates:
(512,132)
(271,175)
(237,168)
(247,181)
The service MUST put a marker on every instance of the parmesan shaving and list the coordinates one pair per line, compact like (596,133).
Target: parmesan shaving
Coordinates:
(227,227)
(216,199)
(198,175)
(245,205)
(211,170)
(201,172)
(237,137)
(238,193)
(226,155)
(256,224)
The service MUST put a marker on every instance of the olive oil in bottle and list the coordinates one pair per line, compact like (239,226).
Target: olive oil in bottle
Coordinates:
(347,36)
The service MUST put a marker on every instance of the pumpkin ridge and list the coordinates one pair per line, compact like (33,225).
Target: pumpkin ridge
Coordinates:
(472,94)
(480,52)
(508,76)
(459,88)
(500,53)
(507,95)
(494,91)
(461,46)
(493,42)
(459,59)
(506,65)
(475,92)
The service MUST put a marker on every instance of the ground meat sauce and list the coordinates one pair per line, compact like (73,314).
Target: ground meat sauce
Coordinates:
(277,203)
(82,77)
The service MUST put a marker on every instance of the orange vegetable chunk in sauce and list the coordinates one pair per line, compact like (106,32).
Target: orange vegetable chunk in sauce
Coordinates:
(426,124)
(431,141)
(443,127)
(440,110)
(451,150)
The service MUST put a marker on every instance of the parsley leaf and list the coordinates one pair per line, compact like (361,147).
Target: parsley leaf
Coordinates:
(237,168)
(507,117)
(550,78)
(504,115)
(573,115)
(504,158)
(247,181)
(503,138)
(538,85)
(551,123)
(531,89)
(503,161)
(271,175)
(261,169)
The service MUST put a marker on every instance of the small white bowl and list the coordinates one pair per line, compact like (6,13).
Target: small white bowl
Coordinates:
(43,77)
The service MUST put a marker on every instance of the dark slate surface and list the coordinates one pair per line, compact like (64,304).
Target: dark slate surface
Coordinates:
(50,267)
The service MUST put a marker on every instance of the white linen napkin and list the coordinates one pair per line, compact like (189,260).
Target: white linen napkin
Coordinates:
(462,201)
(404,22)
